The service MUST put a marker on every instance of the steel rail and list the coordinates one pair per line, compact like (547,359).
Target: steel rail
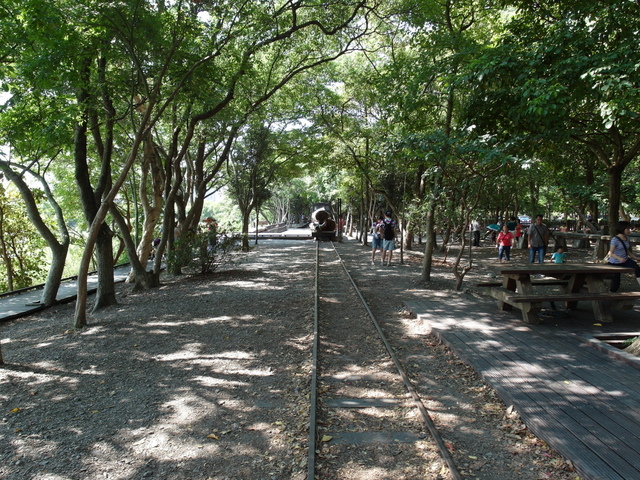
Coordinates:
(313,395)
(424,413)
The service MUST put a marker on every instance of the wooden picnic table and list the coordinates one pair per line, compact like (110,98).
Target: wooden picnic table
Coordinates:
(584,240)
(518,291)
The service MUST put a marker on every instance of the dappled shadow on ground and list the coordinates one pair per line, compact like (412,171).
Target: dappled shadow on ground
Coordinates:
(185,381)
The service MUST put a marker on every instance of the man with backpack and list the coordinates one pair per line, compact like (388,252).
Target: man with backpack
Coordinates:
(388,231)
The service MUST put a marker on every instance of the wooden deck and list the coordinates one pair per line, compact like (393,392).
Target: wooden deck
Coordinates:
(583,401)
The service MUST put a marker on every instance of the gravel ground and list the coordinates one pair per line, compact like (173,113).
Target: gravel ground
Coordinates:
(207,378)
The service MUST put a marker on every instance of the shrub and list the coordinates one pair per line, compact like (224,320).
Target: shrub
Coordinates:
(204,250)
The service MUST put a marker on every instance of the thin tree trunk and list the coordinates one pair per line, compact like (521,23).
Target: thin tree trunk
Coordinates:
(142,279)
(246,219)
(106,294)
(615,181)
(429,245)
(152,185)
(7,261)
(54,277)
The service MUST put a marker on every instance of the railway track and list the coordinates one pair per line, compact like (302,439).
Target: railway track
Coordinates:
(367,421)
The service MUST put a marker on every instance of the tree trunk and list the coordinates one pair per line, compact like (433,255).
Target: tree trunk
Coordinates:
(142,279)
(458,273)
(192,219)
(168,224)
(152,186)
(592,204)
(54,277)
(429,244)
(408,238)
(106,293)
(615,181)
(246,219)
(7,259)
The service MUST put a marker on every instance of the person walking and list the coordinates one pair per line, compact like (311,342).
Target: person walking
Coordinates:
(475,228)
(620,254)
(504,244)
(376,238)
(389,232)
(538,240)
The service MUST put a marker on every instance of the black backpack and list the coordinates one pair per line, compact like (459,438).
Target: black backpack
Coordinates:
(389,230)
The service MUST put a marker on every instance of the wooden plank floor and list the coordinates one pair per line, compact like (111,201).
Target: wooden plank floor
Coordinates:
(583,401)
(25,303)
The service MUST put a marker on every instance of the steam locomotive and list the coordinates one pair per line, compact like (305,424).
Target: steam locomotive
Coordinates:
(323,225)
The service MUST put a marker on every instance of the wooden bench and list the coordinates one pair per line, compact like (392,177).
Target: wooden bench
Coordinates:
(539,282)
(531,304)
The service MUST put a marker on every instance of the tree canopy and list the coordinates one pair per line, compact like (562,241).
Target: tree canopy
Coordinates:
(129,115)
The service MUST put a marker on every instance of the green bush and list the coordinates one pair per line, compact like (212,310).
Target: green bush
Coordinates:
(204,250)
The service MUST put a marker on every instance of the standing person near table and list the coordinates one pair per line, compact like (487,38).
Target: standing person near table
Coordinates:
(620,254)
(389,231)
(538,240)
(518,233)
(504,243)
(376,238)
